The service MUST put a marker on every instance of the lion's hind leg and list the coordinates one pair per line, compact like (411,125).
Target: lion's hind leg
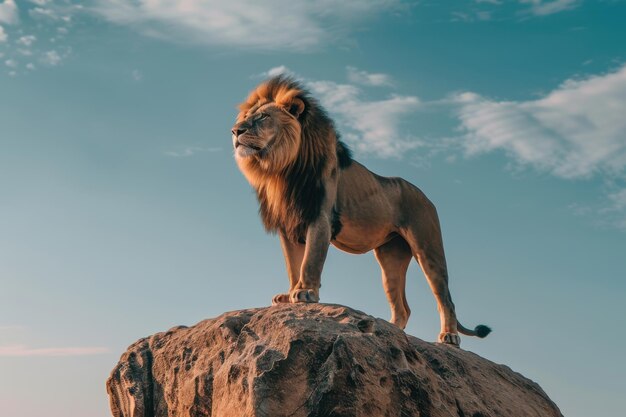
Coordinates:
(424,237)
(394,258)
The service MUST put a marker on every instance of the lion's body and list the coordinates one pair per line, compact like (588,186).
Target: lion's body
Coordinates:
(313,194)
(373,209)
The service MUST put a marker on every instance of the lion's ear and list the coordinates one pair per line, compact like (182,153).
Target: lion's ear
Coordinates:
(296,107)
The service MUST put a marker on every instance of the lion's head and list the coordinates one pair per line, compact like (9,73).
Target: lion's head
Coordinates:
(278,126)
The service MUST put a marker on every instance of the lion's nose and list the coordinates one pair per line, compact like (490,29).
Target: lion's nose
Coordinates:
(238,131)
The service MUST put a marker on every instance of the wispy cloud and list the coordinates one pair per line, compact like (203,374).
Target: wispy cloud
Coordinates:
(285,25)
(20,350)
(544,8)
(51,58)
(484,10)
(575,131)
(190,151)
(272,72)
(27,40)
(369,126)
(25,351)
(358,76)
(296,25)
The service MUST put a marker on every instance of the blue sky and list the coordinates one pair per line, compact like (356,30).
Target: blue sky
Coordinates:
(122,212)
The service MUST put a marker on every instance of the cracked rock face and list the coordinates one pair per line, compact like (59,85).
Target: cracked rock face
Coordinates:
(312,360)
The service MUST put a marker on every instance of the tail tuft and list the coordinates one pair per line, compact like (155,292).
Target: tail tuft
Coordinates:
(482,330)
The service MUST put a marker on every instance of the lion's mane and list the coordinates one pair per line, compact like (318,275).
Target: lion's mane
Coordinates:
(291,190)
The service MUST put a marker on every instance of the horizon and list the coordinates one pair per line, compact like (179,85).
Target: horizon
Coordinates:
(124,213)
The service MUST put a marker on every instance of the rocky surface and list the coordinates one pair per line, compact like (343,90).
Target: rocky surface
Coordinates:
(312,360)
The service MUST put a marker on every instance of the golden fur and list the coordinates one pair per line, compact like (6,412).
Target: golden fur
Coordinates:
(312,194)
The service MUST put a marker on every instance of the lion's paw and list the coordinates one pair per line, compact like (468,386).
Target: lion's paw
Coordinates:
(450,339)
(280,299)
(304,295)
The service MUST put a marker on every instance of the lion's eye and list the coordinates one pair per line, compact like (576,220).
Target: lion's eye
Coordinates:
(263,117)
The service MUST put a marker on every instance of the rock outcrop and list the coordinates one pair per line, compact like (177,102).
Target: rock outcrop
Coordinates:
(312,360)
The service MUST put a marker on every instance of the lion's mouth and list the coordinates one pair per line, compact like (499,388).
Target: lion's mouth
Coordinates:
(244,149)
(247,145)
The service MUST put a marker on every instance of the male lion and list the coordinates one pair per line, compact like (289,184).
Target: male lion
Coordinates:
(313,193)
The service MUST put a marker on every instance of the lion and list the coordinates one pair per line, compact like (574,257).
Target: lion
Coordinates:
(312,193)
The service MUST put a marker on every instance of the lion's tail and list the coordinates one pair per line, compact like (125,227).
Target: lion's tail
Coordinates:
(481,330)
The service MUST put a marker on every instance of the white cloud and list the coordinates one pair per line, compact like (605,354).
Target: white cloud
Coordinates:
(575,131)
(3,35)
(484,15)
(272,24)
(190,151)
(27,40)
(43,13)
(51,58)
(30,66)
(357,76)
(369,126)
(11,63)
(461,17)
(272,72)
(544,8)
(25,351)
(8,12)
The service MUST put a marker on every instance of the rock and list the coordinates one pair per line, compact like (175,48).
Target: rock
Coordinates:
(312,360)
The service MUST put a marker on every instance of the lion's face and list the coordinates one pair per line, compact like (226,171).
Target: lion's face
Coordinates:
(270,135)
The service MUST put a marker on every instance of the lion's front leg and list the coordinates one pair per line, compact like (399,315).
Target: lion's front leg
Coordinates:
(294,253)
(318,236)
